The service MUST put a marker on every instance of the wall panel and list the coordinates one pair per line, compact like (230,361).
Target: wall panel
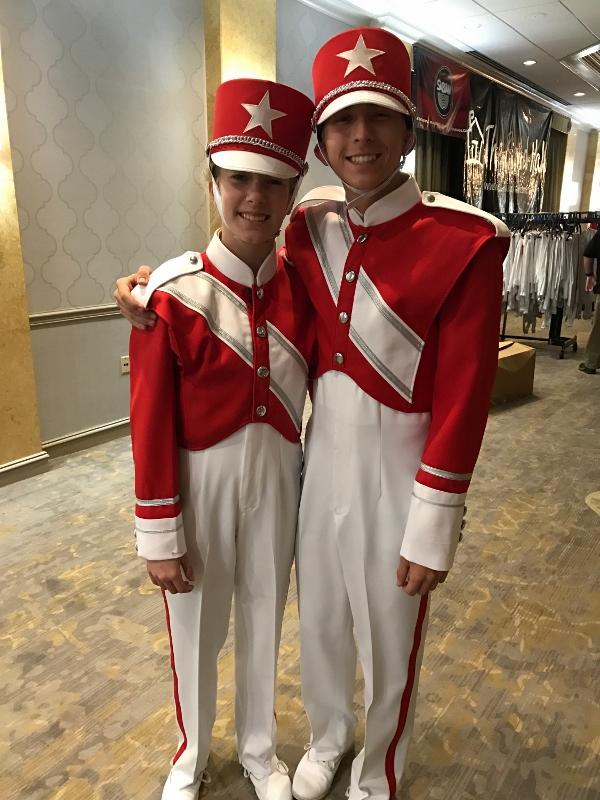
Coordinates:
(106,113)
(107,120)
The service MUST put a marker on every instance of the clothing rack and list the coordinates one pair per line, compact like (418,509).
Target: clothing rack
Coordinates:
(560,219)
(574,217)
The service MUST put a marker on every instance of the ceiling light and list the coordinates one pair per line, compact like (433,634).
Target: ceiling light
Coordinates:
(579,94)
(529,63)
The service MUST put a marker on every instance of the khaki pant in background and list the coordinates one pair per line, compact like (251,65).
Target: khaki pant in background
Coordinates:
(592,351)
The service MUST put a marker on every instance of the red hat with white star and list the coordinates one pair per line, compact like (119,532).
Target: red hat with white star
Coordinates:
(362,65)
(261,126)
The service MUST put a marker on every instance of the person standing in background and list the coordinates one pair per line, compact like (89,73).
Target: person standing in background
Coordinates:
(591,259)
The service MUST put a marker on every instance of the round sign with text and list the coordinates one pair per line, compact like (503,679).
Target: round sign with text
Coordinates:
(442,91)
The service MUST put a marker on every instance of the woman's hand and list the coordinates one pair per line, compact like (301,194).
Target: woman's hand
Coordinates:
(174,575)
(135,313)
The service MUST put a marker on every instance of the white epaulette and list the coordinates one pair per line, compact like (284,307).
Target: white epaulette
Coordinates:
(184,264)
(435,199)
(321,194)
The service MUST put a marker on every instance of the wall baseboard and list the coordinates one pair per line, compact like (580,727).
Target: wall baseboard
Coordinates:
(82,440)
(68,315)
(25,467)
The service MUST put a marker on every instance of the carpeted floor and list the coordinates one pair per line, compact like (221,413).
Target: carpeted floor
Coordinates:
(509,706)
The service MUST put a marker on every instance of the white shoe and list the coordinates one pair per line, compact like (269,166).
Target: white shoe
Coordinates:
(189,793)
(276,785)
(313,778)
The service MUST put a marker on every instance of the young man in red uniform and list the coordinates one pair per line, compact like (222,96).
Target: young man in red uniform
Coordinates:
(407,288)
(217,394)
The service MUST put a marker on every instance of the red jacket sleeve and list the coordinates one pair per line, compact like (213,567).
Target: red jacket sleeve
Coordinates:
(467,361)
(158,520)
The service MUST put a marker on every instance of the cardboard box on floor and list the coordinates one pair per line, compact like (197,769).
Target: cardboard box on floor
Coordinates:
(516,367)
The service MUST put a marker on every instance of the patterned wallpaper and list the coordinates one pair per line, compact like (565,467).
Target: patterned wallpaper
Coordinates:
(107,121)
(300,33)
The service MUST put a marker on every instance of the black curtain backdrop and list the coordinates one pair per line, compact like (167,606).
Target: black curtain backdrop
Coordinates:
(506,149)
(557,151)
(439,163)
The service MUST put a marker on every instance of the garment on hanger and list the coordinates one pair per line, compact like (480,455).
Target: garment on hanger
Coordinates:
(543,271)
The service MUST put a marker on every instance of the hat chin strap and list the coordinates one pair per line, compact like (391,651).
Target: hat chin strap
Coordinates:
(217,197)
(295,191)
(370,192)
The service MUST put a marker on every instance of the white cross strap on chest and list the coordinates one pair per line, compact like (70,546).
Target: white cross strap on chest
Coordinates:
(391,347)
(184,264)
(388,343)
(289,374)
(332,239)
(225,313)
(437,200)
(227,318)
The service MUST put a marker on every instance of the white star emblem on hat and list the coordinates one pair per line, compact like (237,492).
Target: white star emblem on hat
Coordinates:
(262,115)
(361,56)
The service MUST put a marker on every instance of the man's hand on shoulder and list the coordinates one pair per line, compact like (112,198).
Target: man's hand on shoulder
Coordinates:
(131,309)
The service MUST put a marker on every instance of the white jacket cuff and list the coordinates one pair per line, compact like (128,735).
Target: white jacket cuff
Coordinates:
(160,539)
(433,527)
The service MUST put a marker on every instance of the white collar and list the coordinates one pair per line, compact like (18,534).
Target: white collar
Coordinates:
(233,267)
(391,205)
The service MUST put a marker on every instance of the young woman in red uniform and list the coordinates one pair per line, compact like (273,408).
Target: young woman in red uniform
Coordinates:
(217,393)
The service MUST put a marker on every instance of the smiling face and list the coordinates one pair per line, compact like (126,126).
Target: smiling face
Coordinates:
(253,205)
(253,209)
(364,143)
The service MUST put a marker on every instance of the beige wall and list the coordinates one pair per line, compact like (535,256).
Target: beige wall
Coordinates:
(575,167)
(239,42)
(20,435)
(591,177)
(595,192)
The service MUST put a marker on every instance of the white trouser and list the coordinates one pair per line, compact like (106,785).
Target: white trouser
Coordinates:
(360,463)
(240,505)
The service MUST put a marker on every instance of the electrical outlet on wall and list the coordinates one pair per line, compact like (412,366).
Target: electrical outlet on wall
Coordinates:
(124,365)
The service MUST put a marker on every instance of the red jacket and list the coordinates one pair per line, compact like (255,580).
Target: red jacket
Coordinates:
(408,306)
(225,352)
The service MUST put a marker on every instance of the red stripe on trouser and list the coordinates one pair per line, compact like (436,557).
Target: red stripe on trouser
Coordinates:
(175,685)
(390,756)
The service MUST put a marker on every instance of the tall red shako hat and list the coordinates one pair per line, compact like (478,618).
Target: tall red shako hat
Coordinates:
(362,65)
(261,126)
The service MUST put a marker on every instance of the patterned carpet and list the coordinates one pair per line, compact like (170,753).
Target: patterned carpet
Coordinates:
(509,706)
